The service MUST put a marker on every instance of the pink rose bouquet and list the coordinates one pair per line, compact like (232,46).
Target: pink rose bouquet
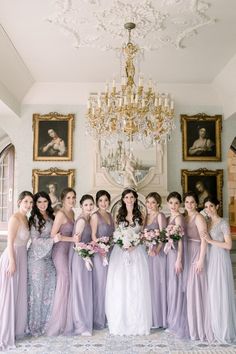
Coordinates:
(86,251)
(150,238)
(172,233)
(102,247)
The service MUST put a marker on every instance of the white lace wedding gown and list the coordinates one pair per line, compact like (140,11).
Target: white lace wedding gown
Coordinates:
(128,296)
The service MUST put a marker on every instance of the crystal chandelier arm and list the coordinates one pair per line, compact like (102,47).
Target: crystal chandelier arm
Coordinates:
(132,112)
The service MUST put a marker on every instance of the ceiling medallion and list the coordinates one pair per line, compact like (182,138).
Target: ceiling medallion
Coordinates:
(99,23)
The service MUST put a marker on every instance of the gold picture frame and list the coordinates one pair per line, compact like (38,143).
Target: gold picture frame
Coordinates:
(53,136)
(201,137)
(204,183)
(52,181)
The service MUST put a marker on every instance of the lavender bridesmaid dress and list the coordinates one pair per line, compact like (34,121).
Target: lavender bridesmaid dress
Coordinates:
(221,287)
(60,256)
(13,293)
(100,275)
(176,290)
(198,307)
(80,312)
(157,271)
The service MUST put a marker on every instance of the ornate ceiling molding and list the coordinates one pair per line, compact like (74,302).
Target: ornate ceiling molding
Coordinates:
(100,23)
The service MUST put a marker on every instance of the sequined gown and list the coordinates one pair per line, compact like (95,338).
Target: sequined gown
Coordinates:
(80,309)
(221,287)
(176,289)
(13,292)
(198,306)
(157,271)
(60,256)
(41,278)
(100,275)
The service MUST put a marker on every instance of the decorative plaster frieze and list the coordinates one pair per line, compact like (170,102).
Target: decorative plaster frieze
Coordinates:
(100,23)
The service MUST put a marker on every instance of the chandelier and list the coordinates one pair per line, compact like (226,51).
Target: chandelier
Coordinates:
(132,112)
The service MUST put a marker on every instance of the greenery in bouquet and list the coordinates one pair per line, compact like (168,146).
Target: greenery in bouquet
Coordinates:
(126,237)
(102,247)
(86,251)
(173,234)
(150,240)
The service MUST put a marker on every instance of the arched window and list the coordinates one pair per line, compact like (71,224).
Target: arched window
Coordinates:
(6,185)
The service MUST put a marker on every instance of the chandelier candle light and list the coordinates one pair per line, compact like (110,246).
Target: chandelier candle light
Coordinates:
(133,112)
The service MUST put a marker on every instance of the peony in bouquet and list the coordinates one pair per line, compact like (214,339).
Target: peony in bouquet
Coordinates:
(86,251)
(102,247)
(150,238)
(172,233)
(126,237)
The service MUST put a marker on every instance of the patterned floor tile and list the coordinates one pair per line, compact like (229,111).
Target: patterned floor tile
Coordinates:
(158,342)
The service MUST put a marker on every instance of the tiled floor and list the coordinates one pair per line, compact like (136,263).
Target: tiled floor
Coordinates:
(158,342)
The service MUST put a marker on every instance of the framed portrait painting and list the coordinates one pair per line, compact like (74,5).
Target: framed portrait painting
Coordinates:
(204,183)
(201,137)
(52,137)
(53,181)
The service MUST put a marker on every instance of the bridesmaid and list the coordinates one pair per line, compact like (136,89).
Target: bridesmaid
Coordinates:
(157,262)
(102,225)
(176,283)
(80,315)
(220,275)
(13,276)
(198,307)
(63,224)
(41,271)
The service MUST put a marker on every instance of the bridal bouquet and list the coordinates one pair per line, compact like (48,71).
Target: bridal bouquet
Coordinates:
(102,247)
(126,237)
(86,251)
(172,233)
(150,238)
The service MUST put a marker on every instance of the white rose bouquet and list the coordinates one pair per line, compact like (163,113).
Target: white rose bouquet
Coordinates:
(126,237)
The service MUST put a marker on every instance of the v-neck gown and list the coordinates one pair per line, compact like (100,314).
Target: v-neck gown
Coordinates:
(41,278)
(176,289)
(13,293)
(198,304)
(100,275)
(80,305)
(60,256)
(157,271)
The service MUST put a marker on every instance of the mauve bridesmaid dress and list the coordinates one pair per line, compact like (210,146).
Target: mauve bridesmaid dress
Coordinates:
(157,271)
(100,275)
(198,305)
(60,256)
(80,309)
(176,290)
(13,293)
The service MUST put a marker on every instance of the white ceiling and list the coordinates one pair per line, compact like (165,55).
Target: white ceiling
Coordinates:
(50,56)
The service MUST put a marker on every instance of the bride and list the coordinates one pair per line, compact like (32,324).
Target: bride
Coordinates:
(128,299)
